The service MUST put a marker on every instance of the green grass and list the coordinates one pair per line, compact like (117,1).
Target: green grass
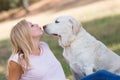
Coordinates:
(105,29)
(2,76)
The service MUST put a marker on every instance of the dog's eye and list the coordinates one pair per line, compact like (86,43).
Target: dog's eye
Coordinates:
(56,21)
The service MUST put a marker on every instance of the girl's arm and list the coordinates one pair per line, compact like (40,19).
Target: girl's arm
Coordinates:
(14,71)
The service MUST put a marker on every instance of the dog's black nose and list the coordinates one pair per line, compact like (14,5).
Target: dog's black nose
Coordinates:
(44,26)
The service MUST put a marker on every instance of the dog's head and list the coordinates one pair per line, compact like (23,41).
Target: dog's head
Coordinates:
(65,27)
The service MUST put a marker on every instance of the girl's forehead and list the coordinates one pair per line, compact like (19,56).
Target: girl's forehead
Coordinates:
(29,22)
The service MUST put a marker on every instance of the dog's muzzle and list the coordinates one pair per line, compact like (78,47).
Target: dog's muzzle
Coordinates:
(44,27)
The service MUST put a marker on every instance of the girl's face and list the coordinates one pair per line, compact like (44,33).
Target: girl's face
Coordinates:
(35,30)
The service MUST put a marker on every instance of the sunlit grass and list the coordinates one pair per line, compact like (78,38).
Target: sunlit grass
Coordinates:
(115,47)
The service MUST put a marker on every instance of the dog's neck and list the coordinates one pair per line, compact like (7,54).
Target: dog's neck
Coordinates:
(74,39)
(69,45)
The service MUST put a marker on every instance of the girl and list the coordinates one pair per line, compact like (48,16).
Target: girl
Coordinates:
(31,59)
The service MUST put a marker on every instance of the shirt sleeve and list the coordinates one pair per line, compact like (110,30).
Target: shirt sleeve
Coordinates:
(14,58)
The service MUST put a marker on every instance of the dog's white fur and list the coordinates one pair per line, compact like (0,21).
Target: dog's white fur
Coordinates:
(82,51)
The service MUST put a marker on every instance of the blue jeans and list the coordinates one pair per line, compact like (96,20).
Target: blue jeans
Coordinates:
(102,75)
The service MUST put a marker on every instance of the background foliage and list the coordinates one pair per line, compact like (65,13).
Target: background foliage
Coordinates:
(9,4)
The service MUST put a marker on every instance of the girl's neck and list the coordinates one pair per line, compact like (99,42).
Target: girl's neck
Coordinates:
(36,50)
(36,42)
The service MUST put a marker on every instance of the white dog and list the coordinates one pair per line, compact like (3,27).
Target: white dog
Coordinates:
(82,51)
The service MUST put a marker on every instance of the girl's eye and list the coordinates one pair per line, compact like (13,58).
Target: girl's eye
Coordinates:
(32,25)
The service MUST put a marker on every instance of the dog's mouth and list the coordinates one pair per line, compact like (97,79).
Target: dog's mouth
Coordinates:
(55,34)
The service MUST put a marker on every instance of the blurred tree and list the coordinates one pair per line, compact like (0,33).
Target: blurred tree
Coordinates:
(4,5)
(25,5)
(8,4)
(14,3)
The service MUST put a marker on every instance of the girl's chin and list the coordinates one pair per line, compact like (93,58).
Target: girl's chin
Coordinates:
(37,36)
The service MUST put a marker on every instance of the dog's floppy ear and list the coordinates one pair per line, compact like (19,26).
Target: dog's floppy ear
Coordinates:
(75,26)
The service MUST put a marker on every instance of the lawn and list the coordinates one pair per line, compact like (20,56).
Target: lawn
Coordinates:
(105,29)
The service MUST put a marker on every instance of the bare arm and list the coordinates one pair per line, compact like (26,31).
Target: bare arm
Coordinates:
(14,71)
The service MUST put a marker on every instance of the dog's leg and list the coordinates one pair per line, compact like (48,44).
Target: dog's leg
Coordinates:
(77,76)
(88,70)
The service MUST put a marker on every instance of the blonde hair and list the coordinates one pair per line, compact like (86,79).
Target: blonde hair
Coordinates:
(22,43)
